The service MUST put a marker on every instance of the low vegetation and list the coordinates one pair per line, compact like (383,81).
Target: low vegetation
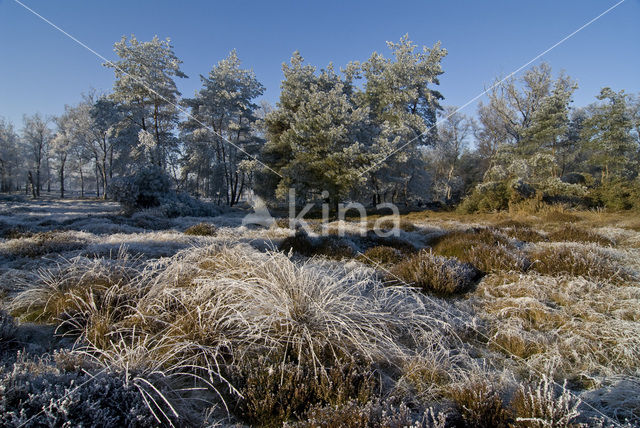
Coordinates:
(503,322)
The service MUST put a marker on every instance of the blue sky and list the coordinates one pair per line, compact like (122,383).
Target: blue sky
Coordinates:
(41,69)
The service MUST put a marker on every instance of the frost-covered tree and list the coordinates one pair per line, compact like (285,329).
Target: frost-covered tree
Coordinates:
(36,135)
(403,106)
(10,156)
(318,134)
(548,130)
(145,87)
(444,156)
(608,133)
(109,131)
(400,108)
(516,101)
(220,134)
(62,142)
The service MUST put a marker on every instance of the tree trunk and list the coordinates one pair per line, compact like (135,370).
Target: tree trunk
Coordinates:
(62,162)
(81,183)
(37,183)
(33,186)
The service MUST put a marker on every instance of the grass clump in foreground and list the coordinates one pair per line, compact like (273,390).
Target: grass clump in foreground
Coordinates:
(436,274)
(65,290)
(201,229)
(222,318)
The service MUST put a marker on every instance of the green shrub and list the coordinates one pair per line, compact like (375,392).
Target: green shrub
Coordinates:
(487,197)
(201,229)
(617,195)
(435,274)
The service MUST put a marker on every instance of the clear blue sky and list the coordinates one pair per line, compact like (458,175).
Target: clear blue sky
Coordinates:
(41,69)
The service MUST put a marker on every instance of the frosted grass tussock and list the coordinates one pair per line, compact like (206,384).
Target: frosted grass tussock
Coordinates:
(45,243)
(586,260)
(56,287)
(266,301)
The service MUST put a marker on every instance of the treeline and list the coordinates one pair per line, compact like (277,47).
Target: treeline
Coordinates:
(375,131)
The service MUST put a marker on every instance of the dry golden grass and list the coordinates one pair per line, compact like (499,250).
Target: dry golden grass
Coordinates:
(579,261)
(201,229)
(44,243)
(571,233)
(480,404)
(381,254)
(485,249)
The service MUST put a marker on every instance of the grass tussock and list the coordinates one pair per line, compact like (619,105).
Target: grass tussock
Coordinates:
(395,223)
(582,328)
(436,274)
(381,255)
(579,261)
(201,229)
(211,314)
(524,234)
(44,243)
(485,249)
(65,290)
(572,233)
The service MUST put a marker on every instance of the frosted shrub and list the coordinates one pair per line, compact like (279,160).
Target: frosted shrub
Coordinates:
(7,327)
(480,405)
(151,188)
(543,405)
(34,394)
(144,189)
